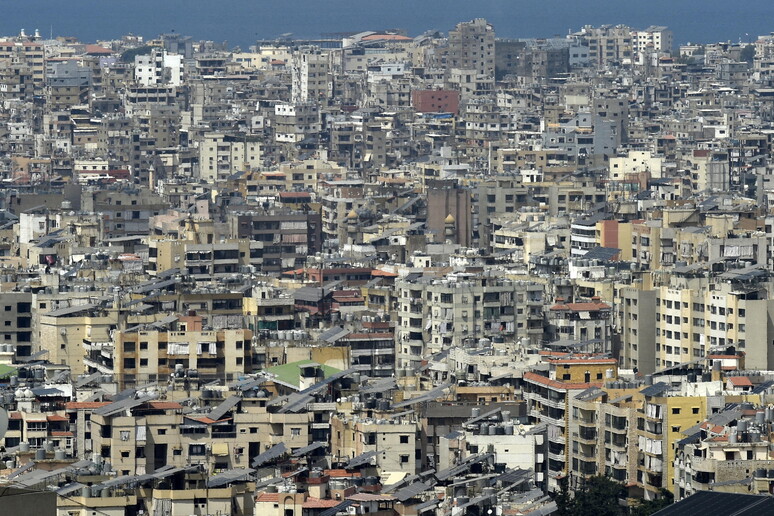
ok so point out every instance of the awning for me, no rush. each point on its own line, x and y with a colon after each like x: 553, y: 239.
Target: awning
x: 393, y: 477
x: 220, y: 449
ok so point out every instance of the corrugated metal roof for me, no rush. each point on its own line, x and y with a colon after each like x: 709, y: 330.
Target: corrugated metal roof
x: 270, y: 454
x: 226, y: 405
x: 232, y: 475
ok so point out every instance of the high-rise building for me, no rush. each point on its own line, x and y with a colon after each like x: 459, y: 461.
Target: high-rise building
x: 310, y: 69
x: 472, y: 47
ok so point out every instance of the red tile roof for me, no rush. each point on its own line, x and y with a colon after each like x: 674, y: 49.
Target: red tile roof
x: 740, y: 381
x: 61, y: 434
x: 268, y: 497
x: 368, y: 336
x: 165, y: 405
x: 56, y: 417
x: 557, y: 384
x: 320, y: 503
x: 85, y: 404
x: 97, y: 49
x: 340, y: 473
x: 380, y: 272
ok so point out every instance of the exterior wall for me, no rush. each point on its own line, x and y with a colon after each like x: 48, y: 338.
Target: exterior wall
x: 396, y: 442
x: 436, y: 101
x: 152, y: 355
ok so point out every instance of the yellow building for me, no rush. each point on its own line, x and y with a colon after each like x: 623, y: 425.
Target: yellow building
x: 146, y: 356
x: 662, y: 421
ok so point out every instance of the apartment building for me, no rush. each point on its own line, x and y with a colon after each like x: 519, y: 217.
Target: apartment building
x: 146, y: 356
x: 310, y: 69
x: 435, y: 314
x: 206, y: 261
x: 143, y: 435
x: 393, y: 443
x: 548, y: 401
x: 587, y: 324
x: 665, y: 417
x: 287, y: 236
x: 602, y: 430
x: 729, y: 453
x: 294, y: 123
x: 472, y: 47
x: 222, y: 155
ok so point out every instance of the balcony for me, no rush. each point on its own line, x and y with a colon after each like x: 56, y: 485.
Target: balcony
x: 588, y: 435
x: 557, y: 456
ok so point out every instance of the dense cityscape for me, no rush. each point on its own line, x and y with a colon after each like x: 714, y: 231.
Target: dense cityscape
x: 386, y: 274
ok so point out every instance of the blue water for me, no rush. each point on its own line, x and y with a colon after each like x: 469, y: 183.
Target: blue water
x: 241, y: 22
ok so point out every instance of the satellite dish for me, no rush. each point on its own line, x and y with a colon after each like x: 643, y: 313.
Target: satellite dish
x: 3, y: 422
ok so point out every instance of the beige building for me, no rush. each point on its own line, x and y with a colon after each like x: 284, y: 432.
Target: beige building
x: 147, y: 356
x: 222, y: 155
x: 393, y: 441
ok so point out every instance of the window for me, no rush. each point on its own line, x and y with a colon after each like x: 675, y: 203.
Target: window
x: 196, y: 449
x: 404, y: 439
x: 295, y: 432
x: 675, y: 410
x: 404, y: 459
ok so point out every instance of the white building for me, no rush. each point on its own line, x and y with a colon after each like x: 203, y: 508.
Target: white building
x: 653, y: 39
x: 158, y: 67
x: 310, y: 71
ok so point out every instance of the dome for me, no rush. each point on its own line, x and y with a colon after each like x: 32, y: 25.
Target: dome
x: 28, y: 393
x: 19, y: 393
x: 449, y: 219
x: 352, y: 214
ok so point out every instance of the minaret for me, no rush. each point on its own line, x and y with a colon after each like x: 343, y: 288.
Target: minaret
x: 450, y: 229
x: 352, y: 220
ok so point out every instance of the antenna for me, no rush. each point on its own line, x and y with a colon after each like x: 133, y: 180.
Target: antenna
x: 3, y: 422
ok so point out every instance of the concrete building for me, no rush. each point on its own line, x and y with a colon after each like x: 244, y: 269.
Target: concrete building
x: 310, y: 70
x: 222, y: 155
x: 472, y: 47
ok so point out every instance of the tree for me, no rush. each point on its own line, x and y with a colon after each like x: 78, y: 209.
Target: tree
x: 129, y: 55
x: 648, y: 507
x: 747, y: 54
x: 597, y: 496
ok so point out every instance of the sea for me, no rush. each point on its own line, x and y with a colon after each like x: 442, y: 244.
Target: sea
x: 242, y: 22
